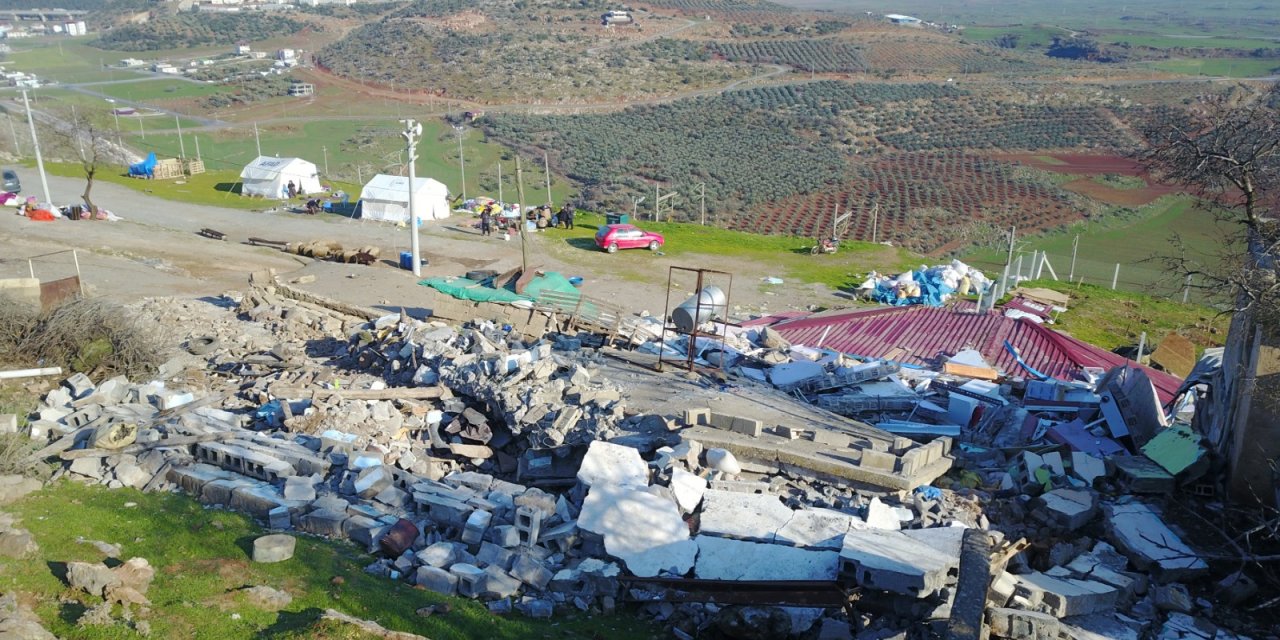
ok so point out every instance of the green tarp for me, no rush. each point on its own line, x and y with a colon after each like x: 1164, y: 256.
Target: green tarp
x: 465, y: 289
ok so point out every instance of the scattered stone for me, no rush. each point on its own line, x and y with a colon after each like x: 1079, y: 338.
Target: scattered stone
x: 754, y: 622
x: 613, y: 464
x: 1173, y: 597
x: 1139, y: 532
x: 368, y: 626
x: 1017, y: 624
x: 723, y: 461
x: 14, y: 488
x: 642, y: 529
x: 267, y: 598
x: 92, y: 578
x: 19, y: 622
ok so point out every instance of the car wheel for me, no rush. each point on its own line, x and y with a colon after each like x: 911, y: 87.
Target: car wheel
x: 612, y: 248
x: 653, y: 245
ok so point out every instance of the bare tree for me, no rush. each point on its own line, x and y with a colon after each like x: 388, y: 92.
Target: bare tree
x: 1227, y: 152
x: 82, y: 138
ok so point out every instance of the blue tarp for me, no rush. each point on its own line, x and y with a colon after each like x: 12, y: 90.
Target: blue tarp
x: 932, y: 291
x: 145, y: 168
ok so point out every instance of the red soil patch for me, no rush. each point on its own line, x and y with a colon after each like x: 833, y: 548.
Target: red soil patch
x: 1125, y: 197
x: 1079, y: 163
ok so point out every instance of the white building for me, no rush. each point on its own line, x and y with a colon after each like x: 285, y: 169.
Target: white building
x: 286, y: 54
x: 75, y: 28
x: 164, y: 67
x: 242, y: 49
x: 898, y: 18
x: 133, y: 62
x: 386, y: 197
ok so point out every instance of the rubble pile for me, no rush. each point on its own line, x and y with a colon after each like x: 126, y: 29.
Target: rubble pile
x: 480, y: 463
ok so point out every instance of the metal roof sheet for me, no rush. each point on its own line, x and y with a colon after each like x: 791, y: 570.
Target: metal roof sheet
x: 923, y: 335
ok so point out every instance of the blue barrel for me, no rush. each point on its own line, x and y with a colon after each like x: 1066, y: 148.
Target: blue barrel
x: 406, y: 260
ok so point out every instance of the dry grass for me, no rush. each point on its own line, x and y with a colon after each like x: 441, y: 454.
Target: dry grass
x: 91, y: 336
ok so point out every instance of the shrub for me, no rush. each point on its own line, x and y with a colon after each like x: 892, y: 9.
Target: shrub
x: 91, y: 336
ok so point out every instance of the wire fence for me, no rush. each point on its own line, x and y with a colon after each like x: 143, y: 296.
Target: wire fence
x: 1147, y: 277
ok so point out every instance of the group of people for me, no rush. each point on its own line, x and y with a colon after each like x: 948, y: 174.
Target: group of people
x: 491, y: 217
x: 313, y: 205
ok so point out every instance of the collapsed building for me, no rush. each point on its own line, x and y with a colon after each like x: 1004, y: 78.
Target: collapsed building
x: 832, y: 475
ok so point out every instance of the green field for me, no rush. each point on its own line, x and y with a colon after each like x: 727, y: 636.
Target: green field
x: 202, y: 558
x: 1028, y: 35
x: 158, y: 90
x: 1223, y: 67
x: 357, y: 149
x: 1138, y: 246
x: 1157, y: 41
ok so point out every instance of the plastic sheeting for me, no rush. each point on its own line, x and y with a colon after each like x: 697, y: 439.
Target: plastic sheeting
x: 145, y: 168
x: 931, y: 286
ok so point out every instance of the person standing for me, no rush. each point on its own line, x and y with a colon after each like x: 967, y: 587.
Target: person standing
x: 568, y: 216
x: 292, y: 190
x: 486, y: 223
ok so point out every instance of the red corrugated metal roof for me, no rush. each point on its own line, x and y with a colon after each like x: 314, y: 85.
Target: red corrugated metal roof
x: 924, y: 335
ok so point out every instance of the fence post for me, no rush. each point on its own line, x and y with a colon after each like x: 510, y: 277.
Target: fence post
x: 1017, y: 270
x: 1142, y: 345
x: 1186, y: 289
x: 1040, y: 258
x: 1075, y: 244
x: 1115, y: 277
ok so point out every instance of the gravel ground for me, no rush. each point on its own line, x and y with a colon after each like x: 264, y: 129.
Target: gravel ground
x: 156, y: 251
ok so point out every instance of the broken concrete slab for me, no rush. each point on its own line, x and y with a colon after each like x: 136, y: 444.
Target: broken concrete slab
x: 893, y: 561
x: 688, y: 489
x: 724, y: 559
x: 816, y: 529
x: 1138, y: 531
x: 745, y: 516
x: 640, y: 528
x: 1068, y: 508
x: 882, y: 516
x: 1016, y: 624
x: 613, y: 464
x: 436, y: 579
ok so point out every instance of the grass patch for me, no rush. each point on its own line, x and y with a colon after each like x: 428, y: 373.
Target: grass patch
x: 201, y: 557
x: 167, y: 89
x: 1222, y: 67
x: 1137, y: 240
x: 1029, y: 36
x: 1111, y: 319
x: 1116, y: 181
x: 789, y: 255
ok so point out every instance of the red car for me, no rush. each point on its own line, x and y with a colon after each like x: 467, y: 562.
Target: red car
x: 612, y: 237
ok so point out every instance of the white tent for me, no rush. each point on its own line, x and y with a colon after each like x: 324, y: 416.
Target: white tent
x: 269, y: 177
x: 387, y: 198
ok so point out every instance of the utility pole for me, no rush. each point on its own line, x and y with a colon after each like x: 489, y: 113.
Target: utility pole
x: 875, y: 222
x: 462, y: 164
x: 75, y: 122
x: 141, y: 127
x: 44, y: 181
x: 524, y: 227
x: 17, y: 149
x: 116, y: 114
x: 256, y: 139
x: 546, y: 168
x: 182, y: 148
x: 1012, y: 233
x: 500, y: 200
x: 325, y: 151
x: 702, y: 194
x: 197, y: 139
x: 412, y: 130
x: 1075, y: 244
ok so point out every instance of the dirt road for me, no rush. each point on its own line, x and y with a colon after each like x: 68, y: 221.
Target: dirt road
x: 156, y: 251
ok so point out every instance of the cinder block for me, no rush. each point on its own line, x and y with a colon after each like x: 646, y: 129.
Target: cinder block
x: 878, y: 460
x: 694, y: 417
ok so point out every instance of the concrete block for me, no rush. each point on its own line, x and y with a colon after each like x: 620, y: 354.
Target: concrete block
x: 505, y: 536
x: 878, y: 460
x: 372, y: 480
x: 882, y: 516
x: 439, y: 555
x: 531, y: 572
x: 701, y: 415
x: 613, y: 464
x: 492, y: 555
x: 529, y: 524
x: 323, y: 522
x: 892, y: 561
x: 299, y: 488
x: 79, y: 385
x: 499, y: 583
x: 437, y: 580
x: 471, y: 579
x: 8, y: 423
x: 1016, y: 624
x: 477, y: 524
x: 1067, y: 596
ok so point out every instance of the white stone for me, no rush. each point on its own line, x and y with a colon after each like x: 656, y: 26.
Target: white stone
x: 882, y: 516
x: 642, y: 529
x: 816, y: 529
x: 723, y: 461
x: 614, y: 465
x: 276, y: 547
x: 893, y: 561
x: 299, y: 488
x: 1087, y: 467
x: 746, y: 516
x: 688, y: 489
x: 789, y: 373
x: 131, y: 475
x: 371, y: 481
x: 722, y: 559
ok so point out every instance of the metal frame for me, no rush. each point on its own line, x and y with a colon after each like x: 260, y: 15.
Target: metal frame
x: 75, y: 259
x: 697, y: 311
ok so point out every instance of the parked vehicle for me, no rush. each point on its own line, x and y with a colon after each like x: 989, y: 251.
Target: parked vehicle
x: 11, y: 182
x: 612, y: 237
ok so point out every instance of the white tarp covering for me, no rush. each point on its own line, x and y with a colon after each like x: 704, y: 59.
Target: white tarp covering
x: 387, y: 198
x: 269, y: 176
